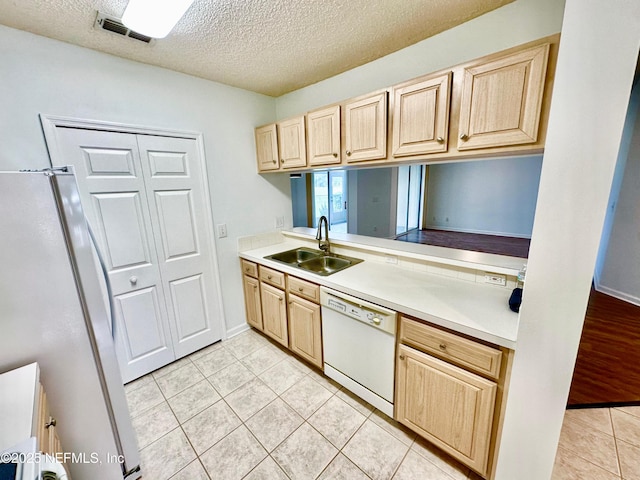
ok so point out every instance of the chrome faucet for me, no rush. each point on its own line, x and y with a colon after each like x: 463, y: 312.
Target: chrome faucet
x: 324, y: 246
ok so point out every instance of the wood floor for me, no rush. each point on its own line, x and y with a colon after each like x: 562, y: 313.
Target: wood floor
x: 515, y: 247
x: 608, y: 366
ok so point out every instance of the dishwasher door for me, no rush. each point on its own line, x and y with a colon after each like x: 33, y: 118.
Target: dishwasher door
x: 359, y: 347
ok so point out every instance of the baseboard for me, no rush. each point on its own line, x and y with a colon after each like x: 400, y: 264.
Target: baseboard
x: 237, y: 330
x: 481, y: 232
x: 625, y: 297
x: 603, y: 405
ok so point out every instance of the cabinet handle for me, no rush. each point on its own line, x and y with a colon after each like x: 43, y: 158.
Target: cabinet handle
x: 440, y: 140
x: 335, y: 155
x: 402, y: 357
x: 464, y: 137
x: 442, y: 346
x: 348, y: 153
x: 52, y: 423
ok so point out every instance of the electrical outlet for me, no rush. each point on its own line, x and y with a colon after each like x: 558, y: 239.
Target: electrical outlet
x: 280, y: 222
x: 222, y: 230
x: 391, y: 259
x: 495, y: 279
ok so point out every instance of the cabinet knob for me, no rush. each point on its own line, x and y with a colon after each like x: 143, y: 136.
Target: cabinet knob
x: 348, y: 153
x: 464, y: 137
x: 300, y: 289
x: 282, y: 160
x: 133, y: 280
x: 268, y: 277
x: 51, y: 423
x: 335, y: 155
x: 440, y: 140
x: 442, y: 346
x: 402, y: 357
x: 281, y: 299
x: 275, y: 161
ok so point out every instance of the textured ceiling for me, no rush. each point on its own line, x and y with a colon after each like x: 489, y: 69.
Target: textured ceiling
x: 267, y: 46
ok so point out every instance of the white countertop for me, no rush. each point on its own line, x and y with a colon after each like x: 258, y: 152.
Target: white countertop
x: 478, y: 310
x: 18, y: 390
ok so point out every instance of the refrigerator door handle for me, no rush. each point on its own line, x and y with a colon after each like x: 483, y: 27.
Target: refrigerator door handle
x: 105, y: 273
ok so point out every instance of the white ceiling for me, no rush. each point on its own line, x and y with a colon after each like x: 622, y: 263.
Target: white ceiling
x: 267, y: 46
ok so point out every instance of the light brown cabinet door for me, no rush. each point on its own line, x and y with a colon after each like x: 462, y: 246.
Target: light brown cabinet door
x: 323, y: 136
x: 292, y: 143
x: 447, y: 405
x: 252, y: 301
x: 365, y: 124
x: 267, y: 148
x: 421, y: 116
x: 305, y: 330
x: 502, y: 100
x: 274, y: 313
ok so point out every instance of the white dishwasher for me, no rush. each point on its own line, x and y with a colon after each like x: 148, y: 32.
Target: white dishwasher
x: 359, y: 340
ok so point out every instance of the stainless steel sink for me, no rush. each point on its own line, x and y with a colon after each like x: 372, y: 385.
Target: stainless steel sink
x: 295, y: 256
x: 315, y: 261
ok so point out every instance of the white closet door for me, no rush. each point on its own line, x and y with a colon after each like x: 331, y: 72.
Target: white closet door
x: 175, y: 188
x: 114, y: 198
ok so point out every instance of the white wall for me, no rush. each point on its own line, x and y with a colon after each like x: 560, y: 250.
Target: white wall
x: 617, y: 271
x: 493, y: 196
x: 371, y: 195
x: 39, y: 75
x: 516, y: 23
x: 595, y: 70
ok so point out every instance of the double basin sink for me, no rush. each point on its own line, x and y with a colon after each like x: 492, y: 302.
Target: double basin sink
x: 314, y: 261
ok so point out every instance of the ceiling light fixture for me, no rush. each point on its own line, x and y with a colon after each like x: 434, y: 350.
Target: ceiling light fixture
x: 154, y: 18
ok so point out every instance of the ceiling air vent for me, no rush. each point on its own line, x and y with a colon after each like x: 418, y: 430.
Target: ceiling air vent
x: 112, y: 24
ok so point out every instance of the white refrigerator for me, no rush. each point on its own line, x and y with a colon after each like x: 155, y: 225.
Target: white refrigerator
x: 52, y: 311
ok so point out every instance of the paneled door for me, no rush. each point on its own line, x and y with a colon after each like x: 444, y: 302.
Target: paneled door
x: 175, y: 191
x: 143, y: 196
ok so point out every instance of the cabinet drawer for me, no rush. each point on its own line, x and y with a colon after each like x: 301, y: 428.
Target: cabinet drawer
x: 272, y: 277
x: 304, y: 289
x: 461, y: 351
x: 249, y: 268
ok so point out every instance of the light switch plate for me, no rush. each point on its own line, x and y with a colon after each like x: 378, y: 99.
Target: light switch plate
x: 280, y: 222
x: 222, y: 230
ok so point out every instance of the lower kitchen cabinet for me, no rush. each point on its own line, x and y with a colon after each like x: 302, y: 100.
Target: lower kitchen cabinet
x: 285, y: 308
x: 450, y: 389
x: 305, y: 329
x: 274, y: 313
x: 447, y: 405
x: 252, y: 302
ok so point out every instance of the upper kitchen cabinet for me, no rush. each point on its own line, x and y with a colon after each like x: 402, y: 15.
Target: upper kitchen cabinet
x: 323, y: 136
x: 267, y: 148
x: 421, y: 116
x: 292, y: 143
x: 497, y: 105
x: 365, y: 128
x: 502, y: 100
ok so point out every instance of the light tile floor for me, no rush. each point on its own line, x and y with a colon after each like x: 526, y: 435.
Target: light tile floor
x: 246, y: 408
x: 599, y: 444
